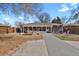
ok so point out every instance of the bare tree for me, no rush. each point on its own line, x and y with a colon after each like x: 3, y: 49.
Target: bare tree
x: 25, y: 8
x: 54, y: 20
x: 20, y: 25
x: 64, y: 19
x: 57, y: 20
x: 4, y: 7
x: 74, y: 14
x: 6, y: 23
x: 21, y: 8
x: 44, y: 17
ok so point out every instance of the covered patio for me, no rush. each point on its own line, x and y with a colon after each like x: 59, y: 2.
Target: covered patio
x: 43, y: 27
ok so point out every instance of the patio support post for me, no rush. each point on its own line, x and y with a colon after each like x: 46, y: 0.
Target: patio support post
x: 32, y: 28
x: 51, y: 28
x: 23, y: 29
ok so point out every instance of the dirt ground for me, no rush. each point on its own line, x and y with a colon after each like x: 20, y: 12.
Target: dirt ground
x: 69, y: 37
x: 9, y: 42
x: 75, y: 37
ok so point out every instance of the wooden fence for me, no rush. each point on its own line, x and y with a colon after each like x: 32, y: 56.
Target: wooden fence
x: 6, y: 29
x: 74, y: 29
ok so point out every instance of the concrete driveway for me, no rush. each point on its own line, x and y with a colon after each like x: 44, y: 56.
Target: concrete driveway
x: 49, y: 45
x: 57, y: 47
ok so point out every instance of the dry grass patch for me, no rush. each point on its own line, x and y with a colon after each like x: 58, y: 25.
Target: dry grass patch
x: 9, y: 42
x: 70, y: 37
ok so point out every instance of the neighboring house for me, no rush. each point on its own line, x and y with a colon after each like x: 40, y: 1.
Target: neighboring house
x: 6, y: 29
x: 53, y: 27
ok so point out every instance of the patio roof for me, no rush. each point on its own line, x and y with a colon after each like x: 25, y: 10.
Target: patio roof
x: 72, y: 25
x: 41, y: 24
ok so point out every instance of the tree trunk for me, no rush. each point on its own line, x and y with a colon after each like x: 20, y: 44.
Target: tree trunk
x: 23, y: 23
x: 68, y: 20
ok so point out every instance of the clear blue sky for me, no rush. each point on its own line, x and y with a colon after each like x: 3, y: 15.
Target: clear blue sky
x: 54, y: 9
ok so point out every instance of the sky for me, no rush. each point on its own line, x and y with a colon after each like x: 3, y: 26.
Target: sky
x: 59, y: 9
x: 53, y: 9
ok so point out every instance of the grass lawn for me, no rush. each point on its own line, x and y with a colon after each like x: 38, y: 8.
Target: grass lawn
x: 8, y: 42
x: 70, y: 37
